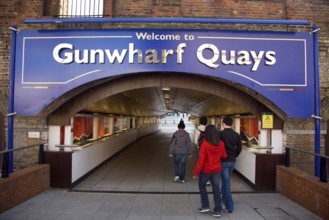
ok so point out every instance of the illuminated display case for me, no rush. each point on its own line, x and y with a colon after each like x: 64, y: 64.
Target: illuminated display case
x: 82, y: 129
x: 249, y: 132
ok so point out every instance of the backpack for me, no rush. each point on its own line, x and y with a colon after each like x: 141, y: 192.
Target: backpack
x: 201, y: 137
x: 173, y: 137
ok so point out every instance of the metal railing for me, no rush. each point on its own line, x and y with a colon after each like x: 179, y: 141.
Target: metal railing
x: 323, y: 158
x: 81, y: 8
x: 5, y: 168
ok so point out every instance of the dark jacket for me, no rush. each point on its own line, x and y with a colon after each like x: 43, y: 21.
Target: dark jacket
x: 180, y: 143
x: 209, y: 158
x: 232, y: 142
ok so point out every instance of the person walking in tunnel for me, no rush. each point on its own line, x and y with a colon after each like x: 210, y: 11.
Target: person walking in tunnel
x: 200, y: 131
x: 199, y: 136
x: 180, y: 149
x: 233, y: 146
x: 209, y: 167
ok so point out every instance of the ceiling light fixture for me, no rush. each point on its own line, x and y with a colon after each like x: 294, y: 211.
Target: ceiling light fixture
x: 166, y: 97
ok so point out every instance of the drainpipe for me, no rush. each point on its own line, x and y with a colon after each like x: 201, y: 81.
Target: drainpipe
x: 11, y: 112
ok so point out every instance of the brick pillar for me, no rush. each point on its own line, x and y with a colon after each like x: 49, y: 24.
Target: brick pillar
x: 108, y: 8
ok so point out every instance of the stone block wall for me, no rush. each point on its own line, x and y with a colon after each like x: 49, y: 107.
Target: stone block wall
x: 300, y: 134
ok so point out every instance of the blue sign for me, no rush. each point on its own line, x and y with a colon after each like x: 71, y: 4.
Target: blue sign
x: 278, y: 65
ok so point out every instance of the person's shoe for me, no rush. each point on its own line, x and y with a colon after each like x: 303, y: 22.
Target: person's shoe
x: 204, y: 210
x: 176, y: 179
x: 226, y: 210
x: 216, y: 214
x: 182, y: 181
x: 208, y: 183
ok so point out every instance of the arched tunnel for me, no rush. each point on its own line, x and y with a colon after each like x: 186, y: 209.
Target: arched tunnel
x: 145, y: 94
x: 142, y: 95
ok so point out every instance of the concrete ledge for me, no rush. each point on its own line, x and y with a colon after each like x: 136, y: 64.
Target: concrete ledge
x: 22, y: 185
x: 304, y: 189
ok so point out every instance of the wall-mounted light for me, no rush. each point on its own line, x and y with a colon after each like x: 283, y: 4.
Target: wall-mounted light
x: 166, y: 96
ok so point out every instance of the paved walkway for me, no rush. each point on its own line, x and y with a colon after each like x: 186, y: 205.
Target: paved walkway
x: 137, y: 184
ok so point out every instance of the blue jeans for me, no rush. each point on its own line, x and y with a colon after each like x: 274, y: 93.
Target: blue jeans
x: 180, y: 165
x: 227, y: 169
x: 214, y: 178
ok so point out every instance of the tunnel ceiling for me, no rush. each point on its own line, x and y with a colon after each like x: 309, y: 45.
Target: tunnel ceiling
x: 152, y: 101
x: 144, y: 95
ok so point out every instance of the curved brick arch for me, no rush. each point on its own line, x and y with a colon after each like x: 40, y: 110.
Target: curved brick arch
x: 253, y: 103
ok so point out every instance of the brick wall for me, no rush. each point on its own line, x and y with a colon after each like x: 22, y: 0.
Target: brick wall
x: 316, y: 11
x: 22, y: 185
x: 304, y: 189
x: 298, y: 133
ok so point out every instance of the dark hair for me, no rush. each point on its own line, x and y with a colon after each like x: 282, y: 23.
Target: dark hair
x: 181, y: 125
x: 203, y: 120
x: 211, y: 135
x: 228, y: 121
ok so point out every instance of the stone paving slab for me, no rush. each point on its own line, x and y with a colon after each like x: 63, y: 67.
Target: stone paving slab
x: 63, y: 205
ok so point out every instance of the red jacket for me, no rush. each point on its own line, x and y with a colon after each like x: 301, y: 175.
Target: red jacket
x: 209, y: 158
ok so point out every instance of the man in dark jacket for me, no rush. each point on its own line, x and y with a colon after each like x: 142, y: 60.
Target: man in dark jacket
x: 233, y: 147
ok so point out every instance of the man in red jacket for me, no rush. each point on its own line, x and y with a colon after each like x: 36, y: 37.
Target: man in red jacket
x: 209, y: 168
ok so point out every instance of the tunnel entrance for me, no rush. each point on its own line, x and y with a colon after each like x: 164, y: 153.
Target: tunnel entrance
x: 123, y: 107
x: 116, y: 75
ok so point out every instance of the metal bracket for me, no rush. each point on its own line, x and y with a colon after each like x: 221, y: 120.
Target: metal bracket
x: 11, y: 114
x: 14, y: 29
x: 314, y: 31
x: 316, y: 117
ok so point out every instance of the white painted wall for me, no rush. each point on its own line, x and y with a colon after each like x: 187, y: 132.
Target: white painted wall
x: 91, y: 156
x: 68, y: 138
x: 146, y: 130
x: 246, y: 165
x: 54, y: 137
x: 263, y: 138
x: 277, y: 141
